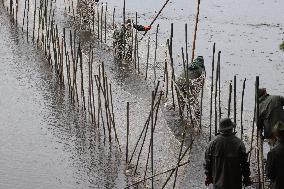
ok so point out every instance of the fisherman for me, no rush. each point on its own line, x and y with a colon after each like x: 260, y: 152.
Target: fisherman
x: 196, y: 73
x: 125, y: 32
x: 275, y: 163
x: 226, y: 160
x: 270, y: 112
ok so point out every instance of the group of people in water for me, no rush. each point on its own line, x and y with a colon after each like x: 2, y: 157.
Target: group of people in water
x: 226, y: 160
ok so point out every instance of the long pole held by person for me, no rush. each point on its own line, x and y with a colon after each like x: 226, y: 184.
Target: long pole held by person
x: 156, y: 17
x: 195, y: 31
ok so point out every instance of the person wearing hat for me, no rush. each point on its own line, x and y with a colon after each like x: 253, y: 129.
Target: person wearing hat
x: 270, y: 112
x: 275, y: 157
x: 226, y: 161
x: 125, y: 32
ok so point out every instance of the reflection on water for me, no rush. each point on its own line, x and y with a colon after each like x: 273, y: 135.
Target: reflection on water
x: 45, y: 141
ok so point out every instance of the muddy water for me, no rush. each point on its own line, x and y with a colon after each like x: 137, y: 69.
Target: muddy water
x: 70, y: 143
x: 45, y: 142
x: 247, y: 33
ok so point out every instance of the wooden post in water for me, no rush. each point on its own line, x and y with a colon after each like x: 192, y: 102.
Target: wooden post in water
x: 186, y: 46
x: 113, y: 118
x: 124, y: 22
x: 229, y: 99
x: 219, y: 83
x: 102, y: 23
x: 258, y: 133
x: 127, y: 131
x: 195, y: 30
x: 216, y: 95
x: 34, y: 22
x: 179, y: 158
x: 135, y: 42
x: 211, y: 92
x: 106, y: 24
x: 98, y: 23
x: 201, y: 104
x: 173, y: 170
x: 148, y: 55
x: 259, y: 139
x: 17, y: 11
x: 155, y: 55
x: 28, y: 11
x: 160, y: 11
x: 152, y: 138
x: 113, y: 19
x: 11, y: 6
x: 24, y: 15
x: 170, y: 43
x: 242, y: 108
x: 235, y: 99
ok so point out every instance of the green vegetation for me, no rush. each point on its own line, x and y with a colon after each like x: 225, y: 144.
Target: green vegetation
x: 282, y: 46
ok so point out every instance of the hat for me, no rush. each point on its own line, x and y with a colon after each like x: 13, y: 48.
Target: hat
x: 278, y: 127
x: 261, y: 92
x: 199, y: 61
x: 226, y: 124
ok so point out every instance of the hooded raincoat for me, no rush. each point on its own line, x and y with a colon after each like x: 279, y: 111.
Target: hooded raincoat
x: 270, y: 112
x: 226, y: 162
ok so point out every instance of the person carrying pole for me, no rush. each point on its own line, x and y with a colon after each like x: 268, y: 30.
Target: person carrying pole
x: 275, y: 163
x: 125, y: 32
x: 226, y: 160
x: 270, y: 112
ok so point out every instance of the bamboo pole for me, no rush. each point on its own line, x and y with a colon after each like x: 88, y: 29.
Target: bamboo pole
x: 155, y: 54
x: 127, y: 131
x: 211, y: 92
x: 158, y: 14
x: 148, y: 55
x: 235, y: 99
x: 229, y: 99
x: 189, y: 148
x: 242, y: 107
x: 201, y: 104
x: 179, y: 158
x: 152, y: 138
x: 195, y: 30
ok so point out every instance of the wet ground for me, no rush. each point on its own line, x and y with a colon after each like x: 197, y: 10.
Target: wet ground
x: 247, y: 33
x: 66, y: 151
x: 49, y: 141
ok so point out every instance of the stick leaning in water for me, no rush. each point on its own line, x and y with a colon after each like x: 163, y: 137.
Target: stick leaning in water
x: 180, y: 165
x: 156, y: 16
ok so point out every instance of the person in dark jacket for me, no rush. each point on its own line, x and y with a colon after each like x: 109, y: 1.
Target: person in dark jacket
x: 275, y: 163
x: 270, y: 112
x: 196, y: 74
x: 226, y: 160
x: 125, y: 32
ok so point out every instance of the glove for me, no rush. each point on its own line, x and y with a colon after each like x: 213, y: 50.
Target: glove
x: 247, y: 181
x: 208, y: 181
x: 146, y: 28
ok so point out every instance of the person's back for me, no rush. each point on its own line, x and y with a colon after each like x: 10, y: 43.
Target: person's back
x: 270, y: 111
x: 225, y: 153
x: 275, y: 163
x: 226, y: 160
x: 196, y: 74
